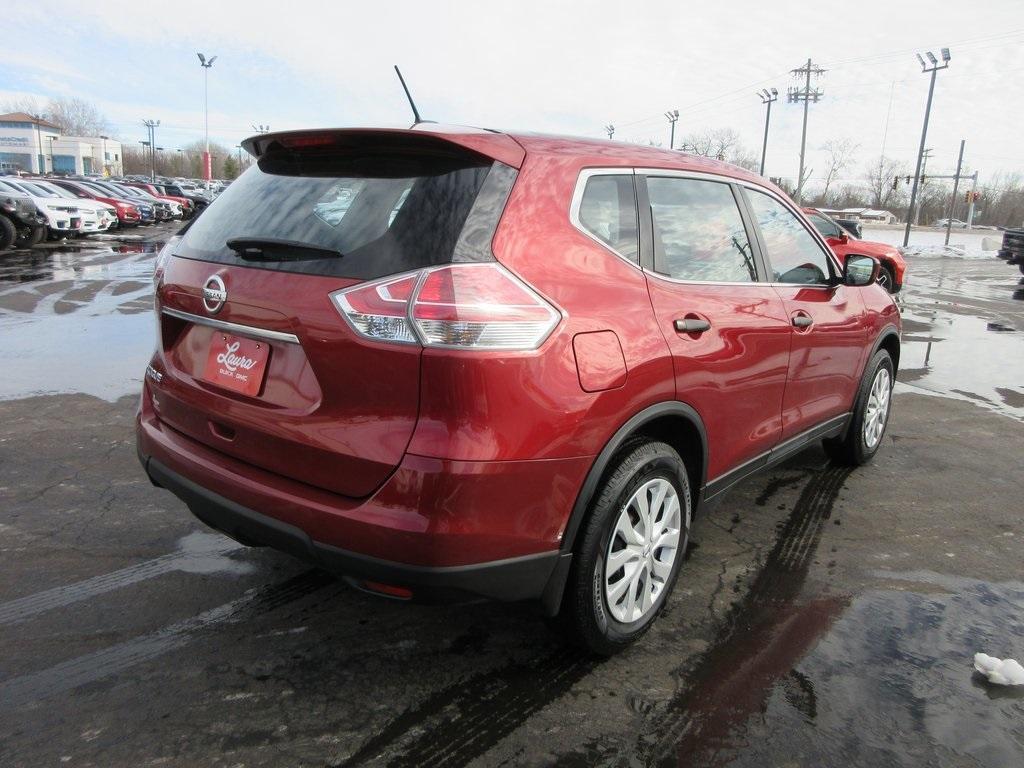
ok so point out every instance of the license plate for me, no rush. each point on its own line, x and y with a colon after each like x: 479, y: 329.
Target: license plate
x: 235, y: 363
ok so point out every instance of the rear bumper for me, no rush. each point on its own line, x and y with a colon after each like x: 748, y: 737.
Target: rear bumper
x: 513, y: 579
x: 442, y: 529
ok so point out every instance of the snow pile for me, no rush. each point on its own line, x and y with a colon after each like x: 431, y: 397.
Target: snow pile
x: 999, y: 671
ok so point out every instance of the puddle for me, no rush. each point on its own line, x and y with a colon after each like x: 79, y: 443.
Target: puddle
x: 77, y: 319
x: 964, y: 334
x: 889, y: 682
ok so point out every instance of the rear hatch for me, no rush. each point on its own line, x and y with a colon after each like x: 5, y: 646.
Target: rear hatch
x: 260, y: 364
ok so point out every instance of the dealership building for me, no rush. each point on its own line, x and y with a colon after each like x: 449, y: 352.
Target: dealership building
x: 34, y: 145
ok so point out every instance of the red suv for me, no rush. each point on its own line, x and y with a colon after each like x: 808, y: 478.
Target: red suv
x: 448, y: 362
x: 893, y: 267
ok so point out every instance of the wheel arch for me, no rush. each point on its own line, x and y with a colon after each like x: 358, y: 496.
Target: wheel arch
x: 889, y: 340
x: 672, y: 422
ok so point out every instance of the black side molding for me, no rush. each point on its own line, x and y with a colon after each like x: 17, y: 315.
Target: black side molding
x: 834, y: 427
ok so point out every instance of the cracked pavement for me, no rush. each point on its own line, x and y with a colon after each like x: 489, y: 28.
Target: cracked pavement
x: 822, y: 617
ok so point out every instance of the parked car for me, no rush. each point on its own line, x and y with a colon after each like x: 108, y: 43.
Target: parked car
x: 199, y: 201
x: 63, y: 218
x: 188, y: 208
x: 128, y: 215
x: 21, y: 224
x: 957, y: 224
x: 893, y: 265
x: 490, y: 376
x: 152, y: 211
x: 96, y: 216
x: 165, y: 209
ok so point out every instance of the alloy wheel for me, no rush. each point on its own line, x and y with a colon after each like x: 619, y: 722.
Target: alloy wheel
x: 643, y: 549
x: 877, y: 411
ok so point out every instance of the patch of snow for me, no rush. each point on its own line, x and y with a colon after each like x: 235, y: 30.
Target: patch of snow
x: 999, y: 671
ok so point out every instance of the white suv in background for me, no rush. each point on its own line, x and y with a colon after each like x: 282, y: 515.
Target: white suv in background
x: 63, y: 217
x: 52, y: 201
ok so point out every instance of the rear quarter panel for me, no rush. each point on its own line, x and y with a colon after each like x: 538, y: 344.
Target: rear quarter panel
x: 531, y: 405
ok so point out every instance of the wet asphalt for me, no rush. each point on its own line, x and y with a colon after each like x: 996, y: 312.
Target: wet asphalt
x: 824, y: 616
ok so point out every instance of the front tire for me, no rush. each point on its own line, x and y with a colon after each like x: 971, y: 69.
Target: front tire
x: 870, y: 415
x: 630, y: 549
x: 7, y: 233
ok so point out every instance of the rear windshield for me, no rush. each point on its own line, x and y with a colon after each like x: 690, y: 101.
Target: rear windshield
x: 363, y: 215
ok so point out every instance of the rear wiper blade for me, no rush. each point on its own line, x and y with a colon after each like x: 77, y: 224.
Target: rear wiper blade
x: 275, y: 249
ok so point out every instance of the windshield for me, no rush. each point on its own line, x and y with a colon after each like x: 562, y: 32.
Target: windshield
x: 53, y: 190
x: 383, y: 214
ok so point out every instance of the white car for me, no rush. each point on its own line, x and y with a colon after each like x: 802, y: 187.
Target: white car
x: 63, y: 217
x: 105, y: 215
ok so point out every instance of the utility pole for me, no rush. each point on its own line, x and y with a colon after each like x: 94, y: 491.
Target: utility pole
x: 151, y: 126
x: 610, y: 129
x: 806, y: 95
x: 934, y: 67
x: 956, y: 188
x: 207, y: 165
x: 672, y: 115
x: 767, y: 98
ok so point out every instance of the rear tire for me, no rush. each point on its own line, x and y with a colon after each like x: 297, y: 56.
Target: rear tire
x: 617, y: 588
x: 871, y: 411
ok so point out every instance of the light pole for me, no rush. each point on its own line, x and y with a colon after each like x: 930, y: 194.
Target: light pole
x: 672, y: 115
x: 610, y: 129
x: 206, y: 110
x: 260, y: 128
x: 151, y: 126
x: 767, y: 98
x: 932, y: 67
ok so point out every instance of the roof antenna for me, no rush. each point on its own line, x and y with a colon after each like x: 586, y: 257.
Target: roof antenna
x: 415, y: 112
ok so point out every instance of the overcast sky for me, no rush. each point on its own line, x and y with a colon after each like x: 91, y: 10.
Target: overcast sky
x: 542, y: 66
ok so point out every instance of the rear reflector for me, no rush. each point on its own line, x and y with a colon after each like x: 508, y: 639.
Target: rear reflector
x: 460, y: 306
x: 388, y: 589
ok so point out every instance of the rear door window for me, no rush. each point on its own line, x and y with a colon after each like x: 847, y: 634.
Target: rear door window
x: 607, y: 210
x: 698, y: 231
x: 359, y: 216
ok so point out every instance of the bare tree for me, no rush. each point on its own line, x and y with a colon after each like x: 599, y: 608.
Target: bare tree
x: 840, y: 155
x: 880, y: 176
x: 26, y: 104
x: 721, y: 144
x: 76, y: 117
x: 73, y: 116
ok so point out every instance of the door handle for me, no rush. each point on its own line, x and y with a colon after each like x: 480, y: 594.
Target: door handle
x: 692, y: 325
x: 802, y: 321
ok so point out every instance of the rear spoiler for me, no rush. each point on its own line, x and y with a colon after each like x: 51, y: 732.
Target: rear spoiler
x: 489, y: 144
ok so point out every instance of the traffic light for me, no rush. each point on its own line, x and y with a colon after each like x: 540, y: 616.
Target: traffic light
x: 967, y: 197
x: 896, y: 183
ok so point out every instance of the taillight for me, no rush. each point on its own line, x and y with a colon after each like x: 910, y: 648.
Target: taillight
x: 380, y: 310
x: 461, y: 306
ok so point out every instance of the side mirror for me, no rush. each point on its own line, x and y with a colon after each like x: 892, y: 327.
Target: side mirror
x: 843, y: 238
x: 860, y: 270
